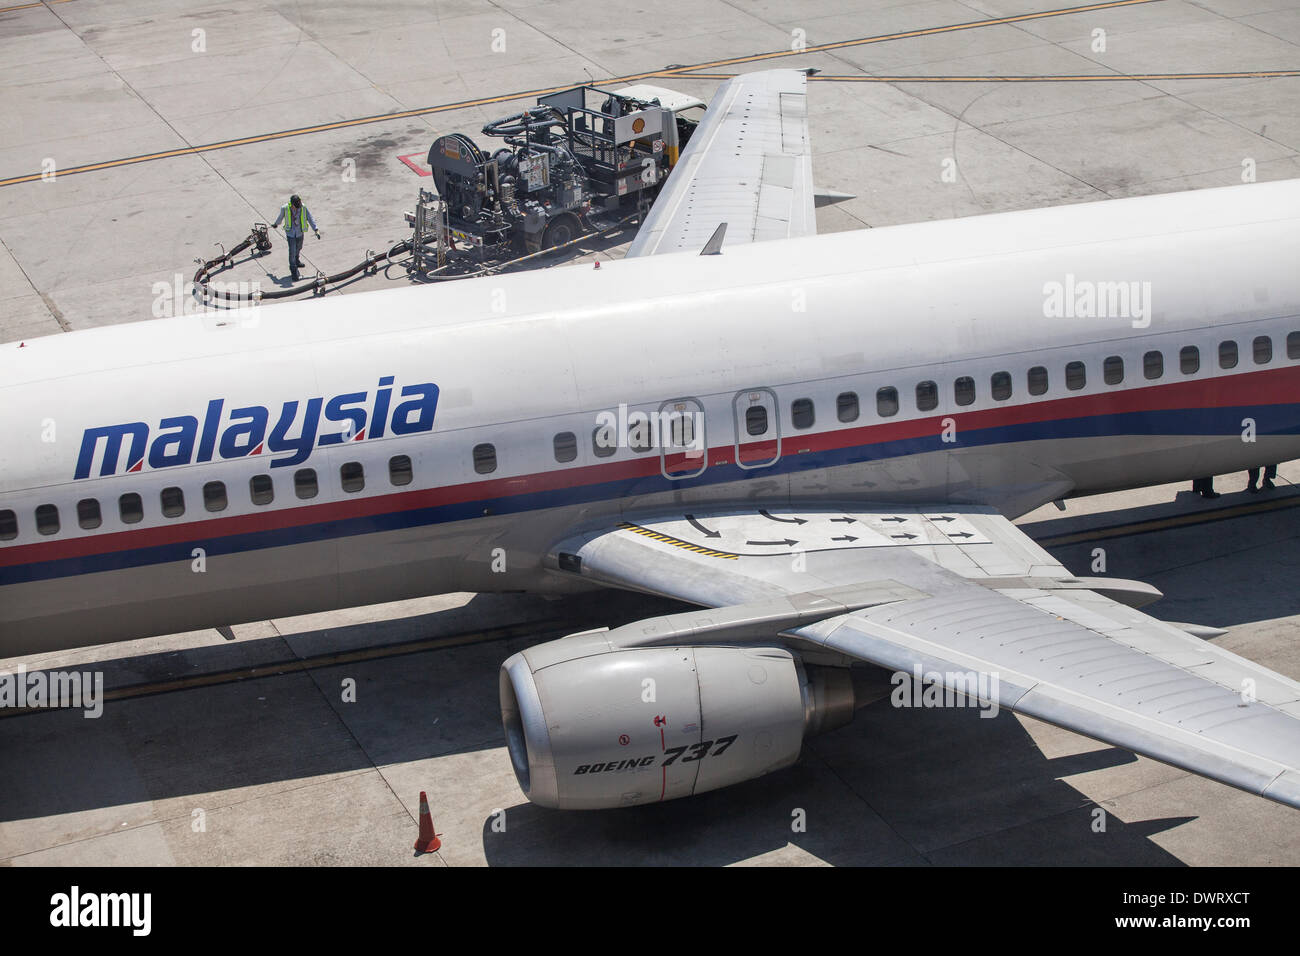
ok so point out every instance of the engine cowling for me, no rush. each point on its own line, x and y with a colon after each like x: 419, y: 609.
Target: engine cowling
x: 589, y: 726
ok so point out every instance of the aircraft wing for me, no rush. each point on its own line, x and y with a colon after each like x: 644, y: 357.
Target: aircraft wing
x: 958, y: 592
x: 747, y: 164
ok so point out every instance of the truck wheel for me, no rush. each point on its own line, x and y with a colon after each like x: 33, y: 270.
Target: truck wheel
x: 563, y: 228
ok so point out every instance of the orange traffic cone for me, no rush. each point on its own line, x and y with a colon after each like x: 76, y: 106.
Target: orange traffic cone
x: 428, y: 841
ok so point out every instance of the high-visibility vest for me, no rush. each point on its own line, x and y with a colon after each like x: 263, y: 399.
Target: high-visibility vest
x: 302, y: 217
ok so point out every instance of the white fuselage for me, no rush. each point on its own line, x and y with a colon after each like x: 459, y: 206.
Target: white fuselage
x: 196, y: 415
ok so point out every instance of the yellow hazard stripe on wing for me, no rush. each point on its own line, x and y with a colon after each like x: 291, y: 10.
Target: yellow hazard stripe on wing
x: 677, y: 542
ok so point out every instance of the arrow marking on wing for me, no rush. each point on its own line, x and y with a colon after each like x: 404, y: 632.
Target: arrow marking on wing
x: 782, y: 520
x: 701, y: 529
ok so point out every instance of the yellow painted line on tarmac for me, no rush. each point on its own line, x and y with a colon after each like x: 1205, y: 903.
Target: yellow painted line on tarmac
x: 297, y: 665
x: 1174, y: 521
x: 1044, y: 78
x: 28, y: 6
x: 675, y: 70
x: 924, y: 32
x: 279, y: 134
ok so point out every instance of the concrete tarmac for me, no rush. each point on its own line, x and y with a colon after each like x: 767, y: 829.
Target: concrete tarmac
x: 199, y: 760
x: 137, y: 135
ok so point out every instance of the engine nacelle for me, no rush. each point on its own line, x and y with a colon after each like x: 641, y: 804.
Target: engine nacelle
x: 590, y: 726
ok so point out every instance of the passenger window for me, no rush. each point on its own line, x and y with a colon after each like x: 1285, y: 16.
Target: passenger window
x: 261, y: 490
x: 304, y: 483
x: 801, y: 413
x: 399, y: 470
x: 1076, y: 376
x: 846, y: 406
x: 565, y: 446
x: 756, y: 420
x: 927, y: 396
x: 485, y: 459
x: 1112, y: 370
x: 1293, y: 345
x: 1227, y: 354
x: 603, y: 441
x: 88, y: 515
x: 886, y: 401
x: 963, y: 390
x: 352, y: 476
x: 1189, y: 359
x: 214, y: 496
x: 1263, y: 348
x: 8, y: 525
x: 1153, y: 364
x: 1001, y: 386
x: 47, y: 519
x: 130, y: 507
x: 173, y: 502
x: 1037, y: 380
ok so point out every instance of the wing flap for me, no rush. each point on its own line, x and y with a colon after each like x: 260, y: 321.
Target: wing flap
x: 1053, y: 669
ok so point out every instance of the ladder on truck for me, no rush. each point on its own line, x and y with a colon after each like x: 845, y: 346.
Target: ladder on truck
x: 431, y: 238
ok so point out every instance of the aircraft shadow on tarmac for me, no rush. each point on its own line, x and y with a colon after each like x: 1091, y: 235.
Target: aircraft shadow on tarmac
x: 1224, y: 572
x: 897, y: 786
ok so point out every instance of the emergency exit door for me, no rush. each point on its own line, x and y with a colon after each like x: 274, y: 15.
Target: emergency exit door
x: 758, y: 428
x: 683, y: 448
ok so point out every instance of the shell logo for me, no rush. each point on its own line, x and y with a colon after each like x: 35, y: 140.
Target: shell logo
x: 638, y: 124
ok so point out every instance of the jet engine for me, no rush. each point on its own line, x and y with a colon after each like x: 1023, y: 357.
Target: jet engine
x: 590, y: 725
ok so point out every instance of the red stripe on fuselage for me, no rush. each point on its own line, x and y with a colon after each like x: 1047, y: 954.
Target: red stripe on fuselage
x: 273, y: 520
x: 1274, y: 386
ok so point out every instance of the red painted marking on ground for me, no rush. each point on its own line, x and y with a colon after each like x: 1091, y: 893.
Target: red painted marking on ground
x: 416, y: 167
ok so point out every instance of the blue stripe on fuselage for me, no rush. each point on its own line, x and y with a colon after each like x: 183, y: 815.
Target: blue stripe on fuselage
x: 1220, y: 422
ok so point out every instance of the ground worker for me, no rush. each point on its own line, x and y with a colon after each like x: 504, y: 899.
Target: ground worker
x: 1205, y: 487
x: 1252, y: 476
x: 296, y: 217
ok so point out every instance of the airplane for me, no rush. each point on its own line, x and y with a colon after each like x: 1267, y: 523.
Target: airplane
x: 819, y: 441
